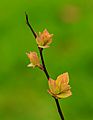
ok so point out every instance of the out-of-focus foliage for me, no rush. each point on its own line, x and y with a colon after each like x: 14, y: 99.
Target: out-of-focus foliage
x: 23, y: 91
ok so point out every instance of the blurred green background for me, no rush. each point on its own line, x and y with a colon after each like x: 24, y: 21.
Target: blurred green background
x: 23, y: 91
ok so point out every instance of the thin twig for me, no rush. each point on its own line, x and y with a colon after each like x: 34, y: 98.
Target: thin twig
x: 44, y: 68
x: 32, y: 30
x: 47, y: 75
x: 59, y: 109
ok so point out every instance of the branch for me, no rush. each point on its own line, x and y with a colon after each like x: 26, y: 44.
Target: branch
x: 45, y: 70
x: 47, y: 75
x: 59, y: 109
x: 44, y: 67
x: 27, y: 22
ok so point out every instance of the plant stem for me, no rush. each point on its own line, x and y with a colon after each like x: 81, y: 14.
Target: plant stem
x: 59, y: 109
x: 30, y: 26
x: 44, y: 68
x: 47, y: 75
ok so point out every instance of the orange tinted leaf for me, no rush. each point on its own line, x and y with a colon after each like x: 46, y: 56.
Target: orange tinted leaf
x: 59, y: 88
x: 44, y: 39
x: 33, y: 59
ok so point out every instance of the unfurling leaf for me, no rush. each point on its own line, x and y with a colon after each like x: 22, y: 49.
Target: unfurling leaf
x: 34, y: 60
x: 59, y: 88
x: 44, y: 39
